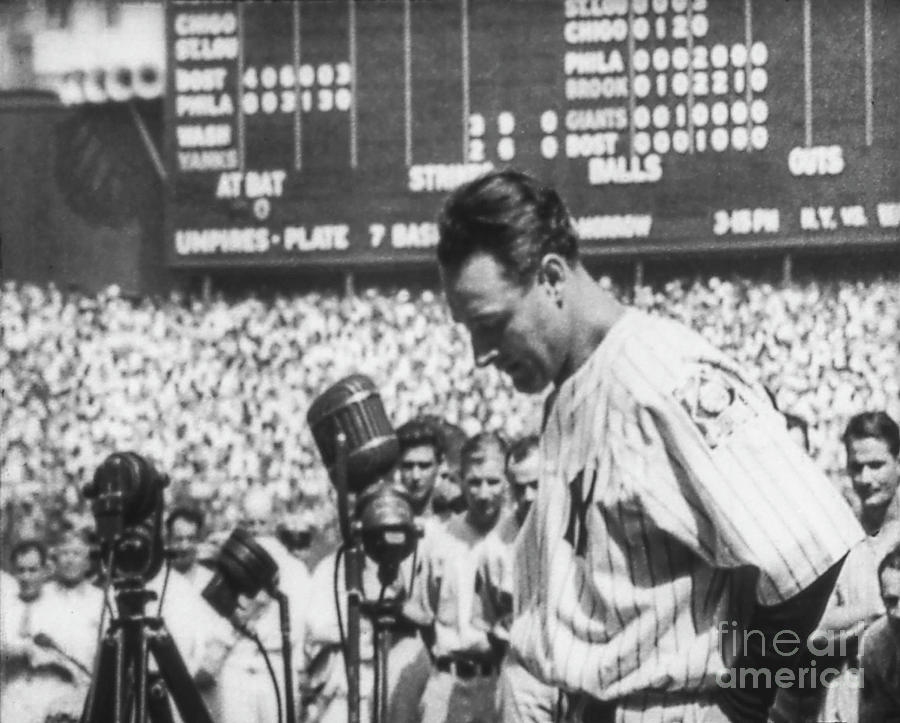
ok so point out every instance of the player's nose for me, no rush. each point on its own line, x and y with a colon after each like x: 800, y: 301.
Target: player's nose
x: 867, y: 479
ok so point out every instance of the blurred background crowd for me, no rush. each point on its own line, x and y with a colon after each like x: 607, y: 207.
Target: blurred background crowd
x: 215, y: 390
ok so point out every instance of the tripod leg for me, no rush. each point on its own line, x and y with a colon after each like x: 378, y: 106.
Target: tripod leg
x: 175, y: 673
x: 134, y: 670
x: 102, y: 703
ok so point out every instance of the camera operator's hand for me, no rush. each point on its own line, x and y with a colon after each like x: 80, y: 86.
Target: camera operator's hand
x: 250, y: 609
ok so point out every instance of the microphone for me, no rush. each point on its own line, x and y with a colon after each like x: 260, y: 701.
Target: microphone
x: 242, y: 567
x: 353, y: 407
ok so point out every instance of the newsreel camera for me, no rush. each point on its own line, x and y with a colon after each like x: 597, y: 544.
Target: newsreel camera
x: 127, y: 503
x: 360, y: 448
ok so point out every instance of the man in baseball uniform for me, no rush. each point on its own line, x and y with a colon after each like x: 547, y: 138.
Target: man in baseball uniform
x: 521, y: 698
x: 872, y: 443
x: 879, y: 698
x: 418, y: 471
x: 463, y: 671
x: 674, y: 513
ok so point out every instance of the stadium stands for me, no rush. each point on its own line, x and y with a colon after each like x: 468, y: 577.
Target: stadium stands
x: 215, y: 391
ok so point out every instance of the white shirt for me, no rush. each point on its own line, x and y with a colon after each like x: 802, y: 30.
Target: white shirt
x: 443, y: 592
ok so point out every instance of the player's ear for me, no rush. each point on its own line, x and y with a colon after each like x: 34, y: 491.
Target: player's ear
x: 552, y: 275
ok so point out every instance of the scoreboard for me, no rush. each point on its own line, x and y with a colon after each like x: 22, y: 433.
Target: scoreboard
x: 328, y: 132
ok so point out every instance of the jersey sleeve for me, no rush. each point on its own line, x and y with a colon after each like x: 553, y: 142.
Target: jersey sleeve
x: 722, y: 474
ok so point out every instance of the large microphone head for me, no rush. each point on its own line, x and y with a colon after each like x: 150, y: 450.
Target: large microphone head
x: 353, y: 406
x: 242, y: 567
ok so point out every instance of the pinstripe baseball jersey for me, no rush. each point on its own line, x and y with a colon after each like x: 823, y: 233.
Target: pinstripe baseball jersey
x: 443, y: 591
x: 494, y: 578
x: 671, y: 499
x: 521, y: 697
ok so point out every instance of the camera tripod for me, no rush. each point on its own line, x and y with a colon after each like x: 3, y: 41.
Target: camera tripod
x: 122, y: 690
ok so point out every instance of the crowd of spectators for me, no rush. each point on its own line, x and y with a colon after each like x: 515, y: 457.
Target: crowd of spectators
x: 215, y: 390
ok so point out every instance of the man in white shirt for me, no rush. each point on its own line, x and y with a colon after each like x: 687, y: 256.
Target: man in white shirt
x: 38, y: 679
x: 521, y: 698
x: 73, y: 630
x: 462, y: 683
x: 244, y: 687
x: 184, y: 533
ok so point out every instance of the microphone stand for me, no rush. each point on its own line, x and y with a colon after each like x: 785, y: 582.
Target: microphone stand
x: 353, y: 566
x: 384, y: 615
x: 287, y: 653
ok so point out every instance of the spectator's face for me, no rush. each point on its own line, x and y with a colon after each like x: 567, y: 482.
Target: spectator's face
x: 73, y: 561
x: 874, y: 471
x: 184, y: 537
x: 418, y: 473
x: 523, y: 476
x: 516, y: 328
x: 447, y: 488
x: 890, y: 595
x: 258, y: 515
x: 483, y: 487
x: 30, y: 573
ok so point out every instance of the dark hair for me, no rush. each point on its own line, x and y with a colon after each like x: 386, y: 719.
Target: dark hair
x: 475, y: 447
x: 795, y: 422
x: 190, y: 514
x: 521, y: 448
x: 874, y: 424
x: 451, y: 437
x: 24, y: 546
x: 419, y: 432
x: 890, y: 561
x: 512, y: 217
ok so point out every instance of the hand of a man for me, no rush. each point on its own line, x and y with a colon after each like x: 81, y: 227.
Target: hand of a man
x: 250, y: 609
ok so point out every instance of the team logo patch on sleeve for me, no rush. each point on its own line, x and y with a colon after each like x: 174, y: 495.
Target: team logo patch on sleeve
x: 714, y: 403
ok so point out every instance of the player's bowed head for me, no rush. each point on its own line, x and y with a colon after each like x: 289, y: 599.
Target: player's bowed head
x: 511, y: 269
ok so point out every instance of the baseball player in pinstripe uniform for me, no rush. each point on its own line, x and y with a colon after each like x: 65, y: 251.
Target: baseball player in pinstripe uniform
x: 521, y: 698
x: 463, y: 672
x: 674, y: 514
